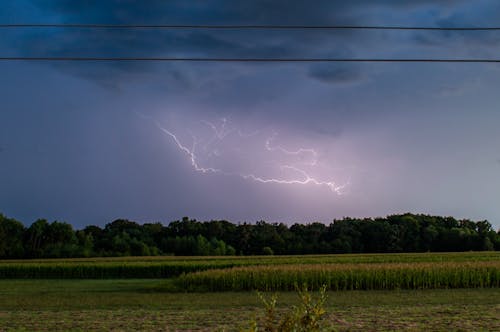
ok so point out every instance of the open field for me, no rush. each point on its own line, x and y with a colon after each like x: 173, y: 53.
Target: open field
x: 128, y: 305
x: 171, y: 266
x: 278, y: 273
x: 428, y: 291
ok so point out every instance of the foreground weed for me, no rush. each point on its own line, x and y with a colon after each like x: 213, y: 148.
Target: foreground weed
x: 303, y: 318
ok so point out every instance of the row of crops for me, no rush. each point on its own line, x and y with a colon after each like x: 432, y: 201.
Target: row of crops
x: 285, y: 259
x: 338, y: 272
x: 104, y: 270
x: 345, y: 277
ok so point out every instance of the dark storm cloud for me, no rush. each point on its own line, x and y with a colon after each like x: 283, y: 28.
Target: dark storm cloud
x: 115, y: 11
x: 75, y: 151
x: 239, y: 43
x: 464, y: 40
x: 470, y: 15
x: 175, y: 12
x: 342, y: 74
x: 202, y: 43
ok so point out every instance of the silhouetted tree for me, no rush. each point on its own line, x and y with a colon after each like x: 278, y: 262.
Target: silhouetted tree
x: 395, y: 233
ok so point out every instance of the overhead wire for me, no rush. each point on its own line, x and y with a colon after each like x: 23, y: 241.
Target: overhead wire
x: 190, y: 59
x: 242, y: 27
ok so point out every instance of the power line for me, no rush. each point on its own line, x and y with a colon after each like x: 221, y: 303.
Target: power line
x: 243, y: 27
x: 169, y: 59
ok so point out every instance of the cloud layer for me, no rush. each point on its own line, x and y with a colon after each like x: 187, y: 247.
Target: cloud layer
x: 404, y: 137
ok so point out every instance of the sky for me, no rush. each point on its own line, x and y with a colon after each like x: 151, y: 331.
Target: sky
x: 90, y: 142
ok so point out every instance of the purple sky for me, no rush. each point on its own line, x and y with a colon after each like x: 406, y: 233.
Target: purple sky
x: 88, y: 143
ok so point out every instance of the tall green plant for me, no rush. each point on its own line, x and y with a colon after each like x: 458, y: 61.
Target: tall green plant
x: 306, y: 317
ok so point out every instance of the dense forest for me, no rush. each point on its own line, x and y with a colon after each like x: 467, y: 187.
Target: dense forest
x: 395, y: 233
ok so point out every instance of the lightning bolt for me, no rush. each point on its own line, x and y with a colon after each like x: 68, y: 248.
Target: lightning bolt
x: 298, y: 152
x: 223, y: 132
x: 189, y: 152
x: 219, y: 133
x: 307, y: 180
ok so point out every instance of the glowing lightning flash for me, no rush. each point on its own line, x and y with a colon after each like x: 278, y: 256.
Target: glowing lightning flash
x: 190, y: 153
x: 308, y: 180
x: 298, y: 152
x: 222, y: 132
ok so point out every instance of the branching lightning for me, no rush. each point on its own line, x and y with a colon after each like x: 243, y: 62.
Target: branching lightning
x: 307, y: 180
x: 220, y: 133
x: 189, y: 152
x: 300, y: 152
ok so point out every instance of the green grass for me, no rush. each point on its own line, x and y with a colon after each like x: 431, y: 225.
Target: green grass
x: 133, y: 304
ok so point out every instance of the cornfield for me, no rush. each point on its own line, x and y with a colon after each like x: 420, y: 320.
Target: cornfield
x: 346, y: 277
x: 353, y: 271
x: 101, y: 270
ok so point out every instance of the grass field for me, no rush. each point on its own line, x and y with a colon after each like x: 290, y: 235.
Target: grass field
x: 431, y: 292
x: 131, y: 305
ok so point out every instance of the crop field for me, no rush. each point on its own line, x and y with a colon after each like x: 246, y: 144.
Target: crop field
x: 346, y: 277
x: 135, y: 305
x: 280, y: 273
x: 171, y: 266
x: 427, y: 291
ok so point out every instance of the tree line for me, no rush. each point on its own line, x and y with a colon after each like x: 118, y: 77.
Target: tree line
x: 395, y: 233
